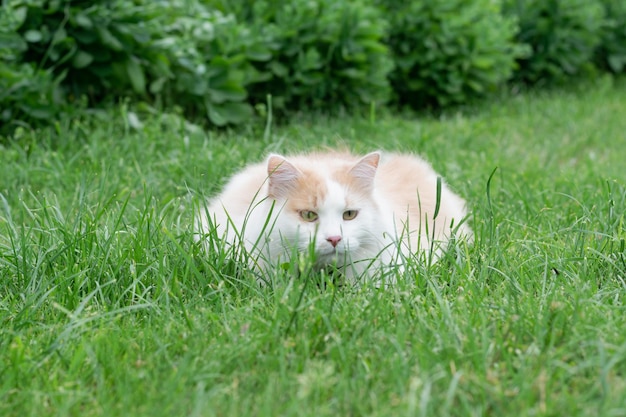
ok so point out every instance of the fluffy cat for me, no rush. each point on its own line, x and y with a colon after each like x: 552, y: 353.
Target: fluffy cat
x: 356, y: 213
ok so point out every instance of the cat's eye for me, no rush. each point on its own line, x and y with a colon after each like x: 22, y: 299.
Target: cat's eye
x: 309, y: 216
x: 350, y: 214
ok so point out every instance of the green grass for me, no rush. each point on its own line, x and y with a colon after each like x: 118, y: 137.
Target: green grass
x: 108, y: 308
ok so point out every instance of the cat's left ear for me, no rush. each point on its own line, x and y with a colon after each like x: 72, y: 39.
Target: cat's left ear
x: 282, y: 176
x: 364, y: 170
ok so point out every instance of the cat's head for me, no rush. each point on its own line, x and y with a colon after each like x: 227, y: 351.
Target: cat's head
x: 328, y: 203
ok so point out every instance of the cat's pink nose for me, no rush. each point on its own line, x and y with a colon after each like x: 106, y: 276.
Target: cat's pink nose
x: 334, y: 240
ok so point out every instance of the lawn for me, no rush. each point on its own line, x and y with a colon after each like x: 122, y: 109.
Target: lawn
x: 108, y: 308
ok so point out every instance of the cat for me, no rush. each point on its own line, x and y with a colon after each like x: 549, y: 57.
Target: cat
x: 355, y: 213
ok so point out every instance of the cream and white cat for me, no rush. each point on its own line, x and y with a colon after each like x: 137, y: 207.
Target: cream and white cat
x: 356, y: 213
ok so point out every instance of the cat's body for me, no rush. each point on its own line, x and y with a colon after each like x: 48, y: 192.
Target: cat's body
x: 358, y: 213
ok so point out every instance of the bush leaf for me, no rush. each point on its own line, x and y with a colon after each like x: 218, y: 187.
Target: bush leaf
x: 136, y: 75
x: 82, y: 59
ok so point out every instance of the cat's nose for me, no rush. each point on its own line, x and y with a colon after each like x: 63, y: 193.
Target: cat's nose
x: 334, y: 240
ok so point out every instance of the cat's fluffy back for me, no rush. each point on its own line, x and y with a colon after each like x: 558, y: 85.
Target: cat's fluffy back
x: 238, y: 196
x: 408, y: 184
x: 326, y: 164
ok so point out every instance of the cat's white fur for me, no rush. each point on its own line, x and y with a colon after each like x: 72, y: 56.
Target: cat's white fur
x: 395, y: 196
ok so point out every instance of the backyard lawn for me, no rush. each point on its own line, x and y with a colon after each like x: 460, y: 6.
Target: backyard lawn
x: 109, y: 308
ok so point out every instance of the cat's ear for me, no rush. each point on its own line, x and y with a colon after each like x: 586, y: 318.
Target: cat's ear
x: 282, y: 176
x: 364, y: 170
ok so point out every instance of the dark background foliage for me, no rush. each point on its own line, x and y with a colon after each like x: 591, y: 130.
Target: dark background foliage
x: 323, y: 53
x: 611, y: 52
x: 216, y: 60
x: 562, y: 35
x: 450, y: 51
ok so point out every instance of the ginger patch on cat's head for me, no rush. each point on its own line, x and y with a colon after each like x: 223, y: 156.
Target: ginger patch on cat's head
x: 309, y: 193
x: 304, y: 189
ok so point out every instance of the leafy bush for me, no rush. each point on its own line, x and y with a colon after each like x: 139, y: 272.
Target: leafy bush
x: 176, y: 51
x: 207, y: 57
x: 28, y: 97
x: 214, y: 58
x: 27, y: 94
x: 99, y: 46
x: 611, y: 53
x: 324, y: 53
x: 449, y: 51
x: 562, y: 34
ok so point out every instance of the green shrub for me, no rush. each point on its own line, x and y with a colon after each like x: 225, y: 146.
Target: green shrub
x: 178, y: 52
x: 562, y: 35
x: 100, y: 46
x: 448, y: 52
x: 611, y: 53
x: 28, y: 95
x: 208, y: 57
x: 324, y: 53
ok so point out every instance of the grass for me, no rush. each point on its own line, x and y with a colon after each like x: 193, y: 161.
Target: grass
x: 108, y: 308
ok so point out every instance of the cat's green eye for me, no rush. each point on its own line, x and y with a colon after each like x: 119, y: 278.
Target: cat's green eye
x: 350, y: 214
x: 309, y: 216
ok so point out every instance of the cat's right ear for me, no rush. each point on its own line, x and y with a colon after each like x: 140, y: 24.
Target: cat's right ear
x: 282, y: 176
x: 365, y: 170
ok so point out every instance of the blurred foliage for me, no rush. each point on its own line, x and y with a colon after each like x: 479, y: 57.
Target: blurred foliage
x: 611, y: 53
x: 107, y: 49
x: 217, y: 60
x: 323, y: 53
x: 562, y: 35
x: 449, y: 51
x: 28, y: 94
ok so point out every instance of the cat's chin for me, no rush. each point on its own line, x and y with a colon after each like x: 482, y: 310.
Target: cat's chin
x: 326, y: 258
x: 330, y: 252
x: 331, y: 256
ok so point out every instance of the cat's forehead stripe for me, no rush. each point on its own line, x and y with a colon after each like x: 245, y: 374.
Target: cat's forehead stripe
x: 336, y: 194
x: 310, y: 191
